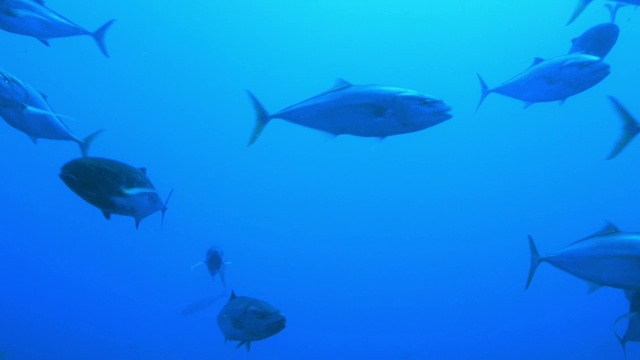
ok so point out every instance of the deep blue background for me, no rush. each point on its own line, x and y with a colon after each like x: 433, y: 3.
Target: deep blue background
x: 410, y: 248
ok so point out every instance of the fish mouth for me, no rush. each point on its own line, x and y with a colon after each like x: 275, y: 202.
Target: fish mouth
x: 68, y: 179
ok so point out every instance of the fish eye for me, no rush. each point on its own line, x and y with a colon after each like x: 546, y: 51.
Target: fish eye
x: 6, y: 79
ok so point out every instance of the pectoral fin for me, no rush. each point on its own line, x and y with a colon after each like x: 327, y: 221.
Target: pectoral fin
x: 137, y: 191
x: 36, y: 111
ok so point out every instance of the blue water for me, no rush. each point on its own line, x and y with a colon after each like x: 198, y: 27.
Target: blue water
x: 414, y: 247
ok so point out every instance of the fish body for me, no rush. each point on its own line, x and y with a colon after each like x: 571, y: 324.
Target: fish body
x: 597, y: 40
x: 246, y: 319
x: 608, y: 258
x: 33, y: 18
x: 215, y: 263
x: 360, y: 110
x: 26, y: 109
x: 554, y: 79
x: 113, y: 187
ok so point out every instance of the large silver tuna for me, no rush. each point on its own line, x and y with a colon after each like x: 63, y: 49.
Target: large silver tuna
x: 33, y: 18
x: 246, y: 319
x: 607, y: 258
x: 597, y: 40
x: 27, y: 110
x: 361, y: 110
x: 554, y: 79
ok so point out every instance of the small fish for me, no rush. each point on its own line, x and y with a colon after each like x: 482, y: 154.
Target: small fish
x: 608, y: 258
x: 246, y: 319
x: 27, y: 110
x: 215, y: 262
x: 360, y: 110
x: 33, y: 18
x: 597, y: 40
x: 630, y: 128
x: 554, y: 79
x: 633, y: 325
x: 113, y: 187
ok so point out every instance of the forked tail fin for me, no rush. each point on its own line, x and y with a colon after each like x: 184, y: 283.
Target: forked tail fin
x: 262, y: 118
x: 98, y: 36
x: 86, y: 142
x: 535, y: 261
x: 630, y: 128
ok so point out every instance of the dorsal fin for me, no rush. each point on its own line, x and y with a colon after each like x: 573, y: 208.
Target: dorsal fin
x: 143, y: 169
x: 233, y: 295
x: 536, y: 61
x: 340, y: 84
x: 608, y: 228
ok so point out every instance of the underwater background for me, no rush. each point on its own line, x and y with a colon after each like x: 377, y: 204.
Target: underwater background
x: 414, y: 247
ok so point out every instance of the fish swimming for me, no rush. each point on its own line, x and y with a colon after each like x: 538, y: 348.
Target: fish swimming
x: 360, y: 110
x: 33, y: 18
x: 633, y: 325
x: 554, y: 79
x: 113, y: 187
x: 246, y: 319
x: 215, y: 262
x: 613, y: 9
x: 27, y: 110
x: 607, y: 258
x: 597, y: 40
x: 630, y: 128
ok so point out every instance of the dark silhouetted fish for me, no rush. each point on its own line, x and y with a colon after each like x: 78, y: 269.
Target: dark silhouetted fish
x: 551, y: 80
x: 607, y: 258
x: 33, y: 18
x: 27, y: 110
x: 215, y: 262
x: 596, y: 41
x: 633, y: 325
x: 630, y: 128
x: 113, y: 187
x: 246, y: 319
x: 361, y: 110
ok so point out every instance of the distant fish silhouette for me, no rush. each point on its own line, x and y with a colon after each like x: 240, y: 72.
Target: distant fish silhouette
x: 215, y: 262
x: 26, y: 109
x: 554, y: 79
x: 361, y: 110
x: 597, y: 40
x: 246, y: 319
x: 113, y: 187
x: 582, y: 4
x: 608, y: 258
x: 630, y: 128
x: 33, y: 18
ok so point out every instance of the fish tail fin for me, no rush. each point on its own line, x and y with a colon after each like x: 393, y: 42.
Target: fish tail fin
x: 85, y: 143
x: 262, y: 118
x: 623, y: 343
x: 164, y: 209
x: 98, y: 35
x: 630, y: 128
x: 613, y: 10
x: 582, y: 4
x: 535, y: 261
x: 485, y: 91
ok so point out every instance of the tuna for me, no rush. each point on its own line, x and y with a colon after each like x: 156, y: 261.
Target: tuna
x: 633, y: 325
x: 215, y: 262
x: 630, y: 128
x: 607, y: 258
x: 360, y: 110
x: 26, y: 109
x: 113, y: 187
x: 596, y: 41
x: 33, y: 18
x: 246, y: 319
x: 554, y: 79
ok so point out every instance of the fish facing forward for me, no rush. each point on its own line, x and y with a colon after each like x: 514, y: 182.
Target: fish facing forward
x: 215, y: 262
x: 246, y: 319
x: 554, y: 79
x: 27, y: 110
x: 113, y: 187
x: 597, y: 40
x: 33, y: 18
x: 607, y: 258
x: 360, y: 110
